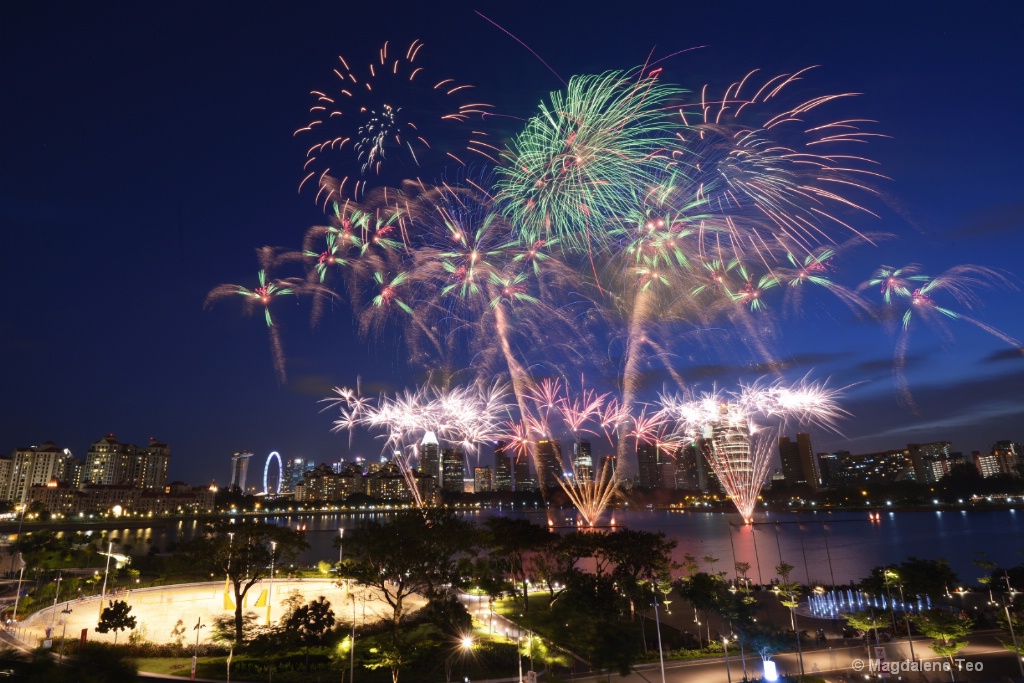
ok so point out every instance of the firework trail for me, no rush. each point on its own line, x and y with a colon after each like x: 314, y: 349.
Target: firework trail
x: 553, y: 411
x: 737, y: 448
x: 921, y: 294
x: 383, y: 118
x: 475, y: 286
x: 463, y: 416
x: 262, y: 296
x: 778, y: 177
x: 755, y: 192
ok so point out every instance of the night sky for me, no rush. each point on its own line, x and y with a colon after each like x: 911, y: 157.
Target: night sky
x: 147, y: 151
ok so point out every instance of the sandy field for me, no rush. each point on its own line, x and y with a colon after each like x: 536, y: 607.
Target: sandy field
x: 157, y: 610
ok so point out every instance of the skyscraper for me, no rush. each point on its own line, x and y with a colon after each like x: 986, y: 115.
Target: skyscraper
x: 521, y: 470
x: 239, y: 468
x: 798, y: 463
x: 148, y: 465
x: 647, y: 465
x: 36, y: 465
x: 502, y: 468
x: 583, y: 460
x: 430, y: 456
x: 108, y: 461
x: 548, y: 459
x: 453, y: 470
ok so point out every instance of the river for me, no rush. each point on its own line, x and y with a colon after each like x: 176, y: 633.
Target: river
x: 824, y: 548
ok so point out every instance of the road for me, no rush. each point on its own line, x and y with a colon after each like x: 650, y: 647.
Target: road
x: 840, y: 663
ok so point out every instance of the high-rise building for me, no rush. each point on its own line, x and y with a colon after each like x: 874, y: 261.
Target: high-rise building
x: 502, y: 468
x: 36, y: 466
x: 293, y: 471
x: 828, y: 467
x: 148, y: 465
x: 726, y: 443
x: 988, y: 464
x: 521, y: 470
x: 430, y: 456
x: 798, y: 464
x: 583, y: 460
x: 548, y: 458
x: 871, y: 468
x: 483, y: 480
x: 453, y: 470
x: 1011, y: 457
x: 108, y: 462
x: 938, y: 466
x: 647, y: 465
x: 239, y: 469
x: 667, y: 474
x: 922, y: 453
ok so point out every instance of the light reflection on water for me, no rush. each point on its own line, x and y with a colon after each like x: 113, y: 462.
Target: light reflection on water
x: 846, y: 545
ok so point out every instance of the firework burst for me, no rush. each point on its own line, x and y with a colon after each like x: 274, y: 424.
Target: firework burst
x: 583, y: 161
x: 390, y: 119
x: 463, y: 416
x: 261, y: 296
x: 736, y: 446
x: 924, y: 299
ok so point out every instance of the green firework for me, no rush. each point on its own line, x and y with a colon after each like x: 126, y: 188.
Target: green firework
x: 588, y: 158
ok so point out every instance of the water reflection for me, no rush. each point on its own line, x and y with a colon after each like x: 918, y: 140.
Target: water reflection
x: 824, y: 548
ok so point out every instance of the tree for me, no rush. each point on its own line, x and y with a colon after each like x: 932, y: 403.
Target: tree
x: 117, y: 617
x: 919, y: 577
x: 312, y: 621
x: 861, y: 621
x: 245, y: 554
x: 591, y: 608
x: 178, y: 634
x: 989, y: 567
x: 510, y: 540
x: 411, y: 552
x: 948, y: 629
x: 642, y: 559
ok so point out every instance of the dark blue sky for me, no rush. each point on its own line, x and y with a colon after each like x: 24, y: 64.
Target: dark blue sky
x: 147, y: 150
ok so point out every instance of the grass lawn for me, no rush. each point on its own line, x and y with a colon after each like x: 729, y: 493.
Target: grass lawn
x: 182, y: 666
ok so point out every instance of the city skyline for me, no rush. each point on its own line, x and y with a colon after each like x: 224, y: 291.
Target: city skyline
x: 145, y: 161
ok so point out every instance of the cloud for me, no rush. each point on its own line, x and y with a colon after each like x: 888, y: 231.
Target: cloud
x: 998, y: 219
x: 1004, y: 355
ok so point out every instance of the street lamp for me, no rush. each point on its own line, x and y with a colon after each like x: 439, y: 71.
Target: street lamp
x: 728, y: 669
x: 352, y: 652
x: 53, y: 611
x: 657, y: 621
x: 906, y: 618
x: 21, y: 559
x: 103, y: 593
x: 66, y: 611
x: 270, y: 588
x: 1009, y: 623
x: 195, y: 653
x: 341, y: 550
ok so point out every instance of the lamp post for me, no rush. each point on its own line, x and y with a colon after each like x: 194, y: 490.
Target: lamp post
x: 352, y: 650
x: 270, y: 589
x: 728, y: 669
x: 906, y: 620
x: 53, y: 611
x: 195, y: 652
x: 64, y: 632
x: 657, y: 622
x: 21, y: 521
x: 17, y: 597
x: 341, y: 550
x: 1009, y: 623
x: 103, y: 593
